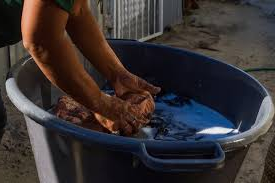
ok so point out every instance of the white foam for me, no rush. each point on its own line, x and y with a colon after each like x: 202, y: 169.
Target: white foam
x: 205, y: 122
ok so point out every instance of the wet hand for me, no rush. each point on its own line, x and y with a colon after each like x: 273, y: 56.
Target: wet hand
x: 126, y: 116
x: 126, y: 82
x: 144, y: 102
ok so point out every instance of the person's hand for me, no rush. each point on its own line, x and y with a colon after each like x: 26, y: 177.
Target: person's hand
x: 126, y: 82
x: 125, y: 116
x: 144, y: 101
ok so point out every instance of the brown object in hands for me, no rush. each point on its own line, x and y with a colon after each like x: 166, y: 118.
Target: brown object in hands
x: 144, y: 102
x: 70, y: 110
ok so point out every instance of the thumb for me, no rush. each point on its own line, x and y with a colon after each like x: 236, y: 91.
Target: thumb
x: 148, y: 87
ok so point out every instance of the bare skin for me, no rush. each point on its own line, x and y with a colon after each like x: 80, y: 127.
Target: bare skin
x: 69, y: 110
x: 43, y: 30
x: 84, y: 24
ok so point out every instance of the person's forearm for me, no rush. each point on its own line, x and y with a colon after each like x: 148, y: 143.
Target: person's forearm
x: 94, y: 47
x: 43, y: 31
x: 61, y: 66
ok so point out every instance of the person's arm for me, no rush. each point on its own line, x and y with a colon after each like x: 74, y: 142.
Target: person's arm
x: 43, y: 30
x: 86, y: 34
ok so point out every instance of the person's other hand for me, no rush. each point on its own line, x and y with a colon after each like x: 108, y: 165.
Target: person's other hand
x: 126, y: 116
x: 144, y: 101
x: 126, y: 82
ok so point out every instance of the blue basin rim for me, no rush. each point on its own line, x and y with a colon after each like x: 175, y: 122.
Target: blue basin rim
x: 136, y: 146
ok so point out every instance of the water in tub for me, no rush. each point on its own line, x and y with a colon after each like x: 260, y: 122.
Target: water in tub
x: 180, y: 118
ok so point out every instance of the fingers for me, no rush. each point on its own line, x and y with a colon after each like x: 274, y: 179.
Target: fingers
x: 114, y: 127
x: 147, y: 107
x: 128, y: 82
x: 134, y: 120
x: 139, y: 110
x: 126, y: 125
x: 134, y: 98
x: 148, y: 87
x: 126, y: 117
x: 130, y: 125
x: 106, y: 123
x: 126, y: 128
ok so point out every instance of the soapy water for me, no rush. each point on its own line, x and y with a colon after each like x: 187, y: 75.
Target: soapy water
x: 181, y: 118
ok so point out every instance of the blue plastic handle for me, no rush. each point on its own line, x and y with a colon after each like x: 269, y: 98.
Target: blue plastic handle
x: 182, y: 157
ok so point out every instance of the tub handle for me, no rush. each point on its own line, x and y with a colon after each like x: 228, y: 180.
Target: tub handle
x: 182, y: 157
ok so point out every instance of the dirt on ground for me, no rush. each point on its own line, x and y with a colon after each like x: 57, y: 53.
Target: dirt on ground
x: 16, y: 158
x: 240, y: 35
x: 237, y: 34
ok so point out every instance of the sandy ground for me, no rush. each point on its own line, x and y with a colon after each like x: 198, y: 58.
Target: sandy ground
x: 237, y: 34
x: 240, y: 35
x: 16, y: 158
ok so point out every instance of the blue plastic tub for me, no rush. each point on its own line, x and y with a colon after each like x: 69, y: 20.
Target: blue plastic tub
x: 67, y: 153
